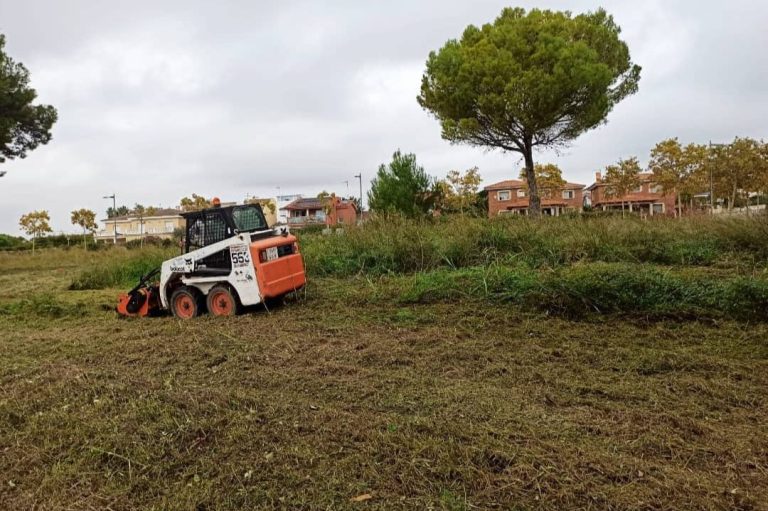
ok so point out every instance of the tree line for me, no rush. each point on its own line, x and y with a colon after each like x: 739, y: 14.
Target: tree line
x: 731, y: 173
x: 37, y: 223
x: 727, y: 174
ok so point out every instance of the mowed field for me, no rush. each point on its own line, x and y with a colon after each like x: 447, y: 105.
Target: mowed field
x: 349, y: 397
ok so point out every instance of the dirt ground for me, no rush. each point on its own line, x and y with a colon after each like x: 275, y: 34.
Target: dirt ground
x: 346, y: 399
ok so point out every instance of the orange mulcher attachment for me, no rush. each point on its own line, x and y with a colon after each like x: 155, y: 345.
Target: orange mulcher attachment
x: 142, y: 300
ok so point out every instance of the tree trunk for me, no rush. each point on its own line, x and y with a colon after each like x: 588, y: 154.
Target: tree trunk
x: 33, y: 245
x: 85, y: 240
x: 622, y: 209
x: 679, y: 205
x: 534, y: 203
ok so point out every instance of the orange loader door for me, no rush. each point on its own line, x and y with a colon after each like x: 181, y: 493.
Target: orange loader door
x: 278, y: 264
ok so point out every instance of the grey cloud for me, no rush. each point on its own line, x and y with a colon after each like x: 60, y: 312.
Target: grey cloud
x: 161, y: 99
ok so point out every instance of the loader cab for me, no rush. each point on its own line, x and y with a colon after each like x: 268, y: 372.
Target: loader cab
x: 216, y: 224
x: 212, y: 225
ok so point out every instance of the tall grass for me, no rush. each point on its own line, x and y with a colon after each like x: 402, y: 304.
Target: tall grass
x: 398, y: 245
x: 624, y: 288
x: 122, y: 270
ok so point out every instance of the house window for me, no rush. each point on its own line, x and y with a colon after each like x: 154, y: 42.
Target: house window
x: 638, y: 189
x: 656, y: 188
x: 520, y: 192
x: 568, y: 194
x: 503, y: 195
x: 168, y: 226
x: 658, y: 209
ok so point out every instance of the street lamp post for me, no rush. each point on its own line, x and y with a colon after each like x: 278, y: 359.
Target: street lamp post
x: 360, y: 178
x: 114, y: 211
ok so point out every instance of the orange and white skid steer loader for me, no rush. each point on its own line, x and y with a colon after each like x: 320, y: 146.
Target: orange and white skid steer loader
x: 231, y: 259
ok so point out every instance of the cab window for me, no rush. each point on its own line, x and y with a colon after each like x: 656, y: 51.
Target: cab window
x: 248, y: 218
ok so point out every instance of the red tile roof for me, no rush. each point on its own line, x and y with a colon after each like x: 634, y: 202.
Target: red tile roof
x: 302, y: 204
x: 645, y: 177
x: 517, y: 183
x: 503, y: 185
x: 632, y: 197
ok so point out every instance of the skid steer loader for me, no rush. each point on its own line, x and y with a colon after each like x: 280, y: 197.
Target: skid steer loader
x: 231, y: 259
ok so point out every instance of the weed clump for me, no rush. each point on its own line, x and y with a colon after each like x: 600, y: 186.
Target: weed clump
x: 42, y: 306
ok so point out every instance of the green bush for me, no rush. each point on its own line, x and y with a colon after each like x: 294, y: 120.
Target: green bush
x: 8, y: 242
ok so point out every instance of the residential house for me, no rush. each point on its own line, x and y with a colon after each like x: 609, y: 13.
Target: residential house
x: 282, y: 202
x: 304, y: 212
x: 161, y: 223
x: 511, y: 197
x: 343, y: 211
x: 647, y: 199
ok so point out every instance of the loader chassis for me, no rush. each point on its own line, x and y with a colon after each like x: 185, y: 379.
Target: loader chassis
x: 231, y: 259
x: 241, y: 275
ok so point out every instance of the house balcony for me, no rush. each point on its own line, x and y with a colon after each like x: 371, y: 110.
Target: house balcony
x: 306, y: 220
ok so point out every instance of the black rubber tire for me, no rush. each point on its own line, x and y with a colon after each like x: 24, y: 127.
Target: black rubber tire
x: 186, y: 303
x: 215, y: 310
x: 274, y: 302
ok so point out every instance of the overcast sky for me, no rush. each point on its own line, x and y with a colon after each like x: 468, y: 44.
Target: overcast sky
x: 158, y: 100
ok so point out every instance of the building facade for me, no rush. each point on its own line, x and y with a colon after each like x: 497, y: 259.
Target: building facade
x: 647, y: 199
x: 343, y: 211
x: 161, y: 224
x: 511, y: 197
x: 304, y: 212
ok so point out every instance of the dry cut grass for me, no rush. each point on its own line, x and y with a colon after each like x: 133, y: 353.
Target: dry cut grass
x: 346, y: 399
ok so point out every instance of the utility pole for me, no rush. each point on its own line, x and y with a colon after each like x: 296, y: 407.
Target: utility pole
x: 114, y: 211
x: 360, y: 178
x: 141, y: 229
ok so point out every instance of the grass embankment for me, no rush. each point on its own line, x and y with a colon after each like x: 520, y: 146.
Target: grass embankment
x: 396, y: 245
x: 710, y: 267
x: 604, y: 288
